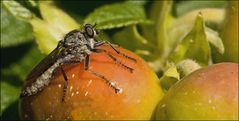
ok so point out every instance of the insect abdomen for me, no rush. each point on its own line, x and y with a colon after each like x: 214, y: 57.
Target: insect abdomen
x: 41, y: 81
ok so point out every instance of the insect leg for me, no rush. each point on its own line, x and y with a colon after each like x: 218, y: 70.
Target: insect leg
x: 65, y: 83
x: 87, y: 61
x: 65, y: 77
x: 120, y: 63
x: 114, y: 59
x: 100, y: 43
x: 108, y: 82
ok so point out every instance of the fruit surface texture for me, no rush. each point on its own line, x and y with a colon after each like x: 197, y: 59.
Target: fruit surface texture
x: 210, y: 93
x: 89, y: 97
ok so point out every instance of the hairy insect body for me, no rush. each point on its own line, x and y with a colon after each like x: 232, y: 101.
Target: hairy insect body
x: 76, y: 47
x: 68, y: 49
x: 45, y: 78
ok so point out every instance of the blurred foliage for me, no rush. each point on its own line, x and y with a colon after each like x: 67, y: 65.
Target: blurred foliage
x: 14, y: 31
x: 164, y: 33
x: 229, y: 35
x: 113, y: 16
x: 50, y: 29
x: 189, y: 48
x: 184, y: 6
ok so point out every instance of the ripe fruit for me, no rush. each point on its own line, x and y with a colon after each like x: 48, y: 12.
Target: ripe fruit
x: 210, y: 93
x: 89, y: 97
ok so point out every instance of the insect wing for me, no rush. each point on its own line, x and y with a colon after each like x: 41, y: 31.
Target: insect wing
x: 47, y: 62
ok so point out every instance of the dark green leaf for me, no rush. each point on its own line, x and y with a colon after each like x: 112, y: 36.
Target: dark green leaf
x: 23, y: 59
x: 33, y: 3
x: 16, y: 63
x: 117, y: 15
x: 32, y: 6
x: 9, y: 94
x: 13, y: 31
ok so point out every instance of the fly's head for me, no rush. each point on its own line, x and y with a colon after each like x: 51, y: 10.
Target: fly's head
x: 91, y: 33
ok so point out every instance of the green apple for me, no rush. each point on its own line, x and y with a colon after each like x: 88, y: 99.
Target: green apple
x: 209, y: 93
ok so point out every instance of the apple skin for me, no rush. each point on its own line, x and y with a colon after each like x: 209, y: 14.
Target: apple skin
x: 88, y: 97
x: 210, y: 93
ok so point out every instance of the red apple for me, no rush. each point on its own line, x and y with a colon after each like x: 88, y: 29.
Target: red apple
x: 88, y: 97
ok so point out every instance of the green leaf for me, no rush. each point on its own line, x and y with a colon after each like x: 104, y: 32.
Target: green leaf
x: 130, y: 39
x: 32, y: 6
x: 128, y: 36
x: 172, y: 72
x: 33, y: 3
x: 184, y: 24
x: 57, y: 17
x: 9, y: 94
x: 186, y: 6
x: 138, y: 2
x: 29, y: 4
x: 215, y: 40
x: 157, y: 33
x: 17, y: 10
x: 194, y: 46
x: 14, y: 31
x: 213, y: 16
x: 117, y: 15
x: 14, y: 73
x: 16, y: 63
x: 55, y: 24
x: 170, y: 76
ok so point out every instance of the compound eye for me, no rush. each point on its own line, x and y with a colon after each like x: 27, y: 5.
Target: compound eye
x: 89, y: 31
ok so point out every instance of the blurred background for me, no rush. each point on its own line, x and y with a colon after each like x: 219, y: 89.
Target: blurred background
x: 158, y: 31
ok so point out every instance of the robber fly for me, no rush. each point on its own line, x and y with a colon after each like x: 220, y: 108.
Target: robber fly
x: 76, y: 47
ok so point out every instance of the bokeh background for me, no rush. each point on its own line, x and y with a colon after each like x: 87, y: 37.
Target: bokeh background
x: 158, y: 31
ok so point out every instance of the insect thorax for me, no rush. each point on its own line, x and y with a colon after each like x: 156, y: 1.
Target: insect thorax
x: 74, y: 38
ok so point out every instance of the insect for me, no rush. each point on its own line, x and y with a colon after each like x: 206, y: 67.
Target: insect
x: 76, y: 47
